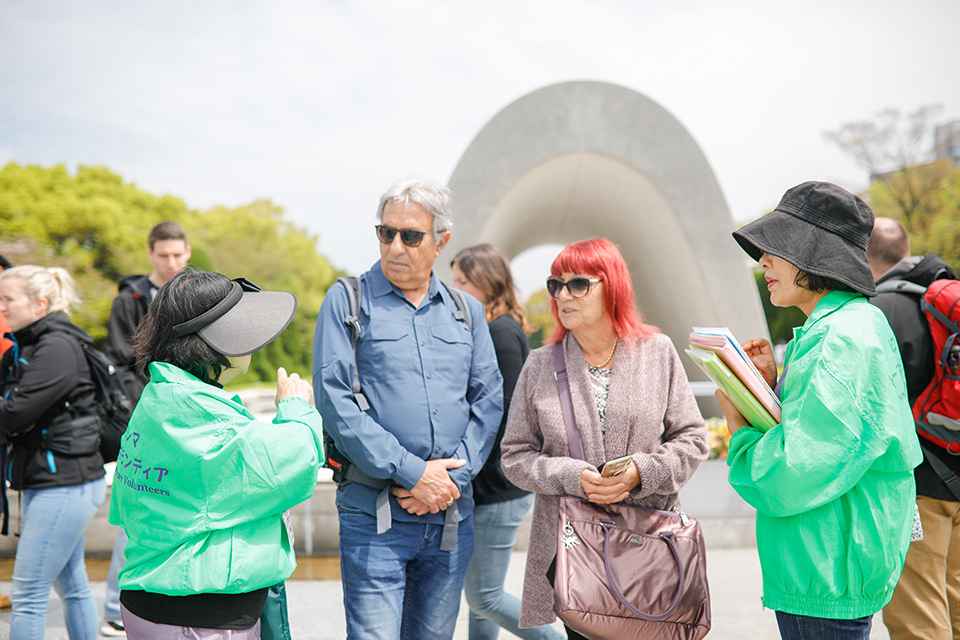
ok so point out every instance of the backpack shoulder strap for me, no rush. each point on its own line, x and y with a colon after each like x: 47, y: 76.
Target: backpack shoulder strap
x: 901, y: 286
x: 463, y: 309
x: 352, y: 320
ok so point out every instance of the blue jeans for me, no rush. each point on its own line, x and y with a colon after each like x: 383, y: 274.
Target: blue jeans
x: 111, y: 607
x: 794, y: 627
x: 491, y: 608
x: 399, y: 584
x: 50, y: 554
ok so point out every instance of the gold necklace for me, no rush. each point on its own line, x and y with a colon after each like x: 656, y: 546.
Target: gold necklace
x: 609, y: 358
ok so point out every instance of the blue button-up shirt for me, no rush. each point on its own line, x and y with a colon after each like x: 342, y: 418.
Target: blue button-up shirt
x: 434, y: 388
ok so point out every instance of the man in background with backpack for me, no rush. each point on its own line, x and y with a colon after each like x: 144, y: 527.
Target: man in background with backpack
x: 415, y: 430
x: 169, y: 252
x: 926, y: 602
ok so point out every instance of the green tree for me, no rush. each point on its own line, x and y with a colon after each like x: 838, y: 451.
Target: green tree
x: 95, y: 225
x: 540, y: 317
x: 92, y: 224
x: 907, y: 183
x: 936, y: 227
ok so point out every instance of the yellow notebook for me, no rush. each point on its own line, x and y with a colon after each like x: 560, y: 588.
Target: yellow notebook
x: 741, y: 397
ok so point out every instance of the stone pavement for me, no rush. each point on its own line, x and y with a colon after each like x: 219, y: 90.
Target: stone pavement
x: 316, y: 611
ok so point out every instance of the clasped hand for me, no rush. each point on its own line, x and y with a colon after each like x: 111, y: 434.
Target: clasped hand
x: 610, y: 490
x: 434, y: 491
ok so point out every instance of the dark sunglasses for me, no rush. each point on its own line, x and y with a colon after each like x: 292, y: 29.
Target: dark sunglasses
x: 578, y: 287
x: 409, y: 237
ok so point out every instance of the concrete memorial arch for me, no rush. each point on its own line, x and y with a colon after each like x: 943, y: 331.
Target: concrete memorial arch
x: 583, y: 159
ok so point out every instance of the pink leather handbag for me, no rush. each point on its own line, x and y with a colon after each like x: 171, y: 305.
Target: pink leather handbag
x: 624, y: 572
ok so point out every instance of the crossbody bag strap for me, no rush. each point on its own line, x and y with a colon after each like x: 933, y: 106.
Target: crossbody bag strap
x: 949, y: 478
x: 566, y: 402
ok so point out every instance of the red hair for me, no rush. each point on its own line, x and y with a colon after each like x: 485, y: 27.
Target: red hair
x: 602, y: 259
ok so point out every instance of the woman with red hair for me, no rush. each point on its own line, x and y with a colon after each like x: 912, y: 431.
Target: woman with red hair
x: 630, y: 397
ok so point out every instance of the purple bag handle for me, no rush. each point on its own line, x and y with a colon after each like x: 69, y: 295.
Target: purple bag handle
x: 566, y: 402
x: 576, y: 449
x: 669, y: 538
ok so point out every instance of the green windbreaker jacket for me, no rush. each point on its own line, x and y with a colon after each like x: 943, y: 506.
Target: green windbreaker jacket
x: 833, y: 484
x: 201, y: 487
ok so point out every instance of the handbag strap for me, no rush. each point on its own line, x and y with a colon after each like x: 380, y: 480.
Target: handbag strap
x: 669, y: 538
x: 566, y: 402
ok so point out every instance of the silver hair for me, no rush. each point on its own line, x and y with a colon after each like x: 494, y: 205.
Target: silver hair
x: 433, y: 196
x: 52, y: 283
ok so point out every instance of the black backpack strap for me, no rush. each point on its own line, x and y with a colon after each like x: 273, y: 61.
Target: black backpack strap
x: 352, y: 320
x: 344, y: 471
x: 949, y: 478
x: 901, y: 286
x: 350, y: 472
x: 462, y: 313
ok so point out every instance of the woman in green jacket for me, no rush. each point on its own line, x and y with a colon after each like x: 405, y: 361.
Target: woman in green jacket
x: 201, y: 485
x: 833, y: 484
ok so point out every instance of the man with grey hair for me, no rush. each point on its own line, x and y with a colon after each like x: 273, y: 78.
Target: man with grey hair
x: 411, y: 396
x: 924, y: 603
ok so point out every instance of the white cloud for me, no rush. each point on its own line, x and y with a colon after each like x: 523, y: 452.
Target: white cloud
x: 320, y: 105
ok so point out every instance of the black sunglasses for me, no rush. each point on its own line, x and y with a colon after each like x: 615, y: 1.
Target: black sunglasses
x: 409, y: 237
x: 578, y: 287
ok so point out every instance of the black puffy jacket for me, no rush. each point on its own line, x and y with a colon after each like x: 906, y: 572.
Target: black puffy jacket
x: 46, y: 381
x: 129, y: 308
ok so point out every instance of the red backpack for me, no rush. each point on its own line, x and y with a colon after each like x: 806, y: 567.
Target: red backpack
x: 937, y: 409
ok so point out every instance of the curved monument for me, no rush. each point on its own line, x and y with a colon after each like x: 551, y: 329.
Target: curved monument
x: 582, y: 159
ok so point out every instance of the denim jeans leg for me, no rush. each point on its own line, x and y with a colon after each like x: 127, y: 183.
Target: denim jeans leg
x: 50, y: 554
x: 491, y: 608
x: 434, y: 584
x: 794, y: 627
x: 373, y: 575
x: 111, y: 607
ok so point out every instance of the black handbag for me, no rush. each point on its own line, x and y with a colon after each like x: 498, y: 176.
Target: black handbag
x: 624, y: 572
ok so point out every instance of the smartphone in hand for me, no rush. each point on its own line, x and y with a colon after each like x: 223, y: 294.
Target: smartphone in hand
x: 615, y: 467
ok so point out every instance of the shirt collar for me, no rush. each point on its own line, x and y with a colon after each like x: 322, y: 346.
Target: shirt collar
x: 827, y: 305
x: 380, y: 286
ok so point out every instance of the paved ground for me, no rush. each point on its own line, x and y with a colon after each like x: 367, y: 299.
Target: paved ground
x: 316, y: 612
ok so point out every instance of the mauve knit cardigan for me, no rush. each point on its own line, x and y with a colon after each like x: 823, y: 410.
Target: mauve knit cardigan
x: 651, y: 415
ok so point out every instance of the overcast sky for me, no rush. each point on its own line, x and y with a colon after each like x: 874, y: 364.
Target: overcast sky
x: 320, y: 105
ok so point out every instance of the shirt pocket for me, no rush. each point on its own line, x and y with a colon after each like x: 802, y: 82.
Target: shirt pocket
x: 452, y: 352
x: 386, y: 351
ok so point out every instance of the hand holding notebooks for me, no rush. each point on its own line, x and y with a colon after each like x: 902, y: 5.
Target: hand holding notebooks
x: 717, y: 352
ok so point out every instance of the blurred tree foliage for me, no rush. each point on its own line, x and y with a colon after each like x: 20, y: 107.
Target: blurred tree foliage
x: 95, y: 225
x: 907, y: 181
x: 934, y: 224
x: 540, y: 316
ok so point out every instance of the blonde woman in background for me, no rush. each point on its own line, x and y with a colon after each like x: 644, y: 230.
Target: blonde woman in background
x: 48, y: 419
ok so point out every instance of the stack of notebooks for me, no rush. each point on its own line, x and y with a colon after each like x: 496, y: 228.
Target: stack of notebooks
x: 718, y: 353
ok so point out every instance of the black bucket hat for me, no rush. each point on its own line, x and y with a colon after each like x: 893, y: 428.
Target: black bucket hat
x: 246, y: 320
x: 819, y: 228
